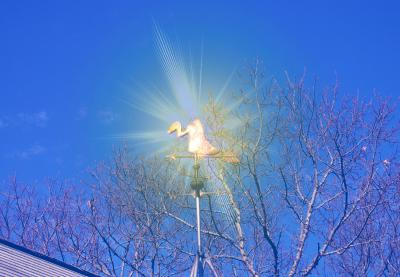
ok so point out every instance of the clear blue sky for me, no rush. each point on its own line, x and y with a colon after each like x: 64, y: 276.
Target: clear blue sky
x: 65, y: 65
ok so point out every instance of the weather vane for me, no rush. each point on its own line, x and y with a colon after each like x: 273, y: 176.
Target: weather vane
x: 199, y: 147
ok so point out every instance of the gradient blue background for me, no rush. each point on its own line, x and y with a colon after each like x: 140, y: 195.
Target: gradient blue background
x: 66, y: 65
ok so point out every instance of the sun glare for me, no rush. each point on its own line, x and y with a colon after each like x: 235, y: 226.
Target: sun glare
x: 183, y: 101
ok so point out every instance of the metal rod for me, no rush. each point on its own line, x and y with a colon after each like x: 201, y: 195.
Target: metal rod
x: 199, y: 265
x: 198, y: 221
x: 216, y: 156
x: 197, y: 193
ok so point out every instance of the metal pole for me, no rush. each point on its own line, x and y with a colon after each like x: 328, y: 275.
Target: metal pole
x: 197, y: 194
x: 197, y: 269
x: 198, y: 221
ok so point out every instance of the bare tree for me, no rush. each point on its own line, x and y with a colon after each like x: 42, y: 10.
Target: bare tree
x: 316, y: 192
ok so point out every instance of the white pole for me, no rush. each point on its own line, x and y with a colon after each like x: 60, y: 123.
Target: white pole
x: 198, y: 221
x: 197, y: 187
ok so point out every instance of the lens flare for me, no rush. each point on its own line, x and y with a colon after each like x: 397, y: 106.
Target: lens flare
x: 184, y: 101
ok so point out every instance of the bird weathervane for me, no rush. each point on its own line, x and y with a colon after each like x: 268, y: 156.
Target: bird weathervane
x: 199, y: 146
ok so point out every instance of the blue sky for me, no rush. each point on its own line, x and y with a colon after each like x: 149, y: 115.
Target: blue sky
x: 66, y: 66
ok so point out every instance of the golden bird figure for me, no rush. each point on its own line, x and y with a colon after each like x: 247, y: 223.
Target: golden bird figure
x: 198, y: 144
